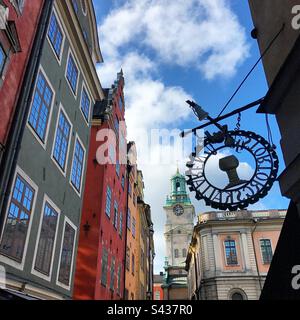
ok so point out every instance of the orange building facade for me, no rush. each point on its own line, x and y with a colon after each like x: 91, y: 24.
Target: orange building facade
x: 158, y: 292
x: 131, y: 277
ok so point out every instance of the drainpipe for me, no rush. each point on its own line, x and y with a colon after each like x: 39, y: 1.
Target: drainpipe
x: 196, y: 275
x: 256, y: 263
x: 13, y: 146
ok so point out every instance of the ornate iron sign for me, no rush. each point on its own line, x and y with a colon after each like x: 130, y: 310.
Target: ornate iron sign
x: 227, y: 147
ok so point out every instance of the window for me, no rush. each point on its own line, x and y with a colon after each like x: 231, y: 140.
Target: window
x: 72, y: 73
x: 55, y: 35
x: 129, y: 189
x: 128, y: 258
x: 121, y: 103
x: 108, y: 201
x: 266, y: 251
x: 133, y: 264
x: 66, y: 257
x: 142, y: 260
x: 121, y: 225
x: 85, y: 104
x: 17, y: 221
x: 230, y: 251
x: 104, y: 267
x: 3, y: 58
x: 133, y: 226
x: 112, y: 153
x: 119, y: 280
x: 117, y: 125
x: 46, y: 240
x: 237, y: 296
x: 62, y: 139
x: 123, y: 182
x: 112, y: 274
x: 184, y: 253
x: 78, y: 165
x: 115, y: 222
x: 85, y: 35
x: 40, y: 108
x: 118, y: 168
x: 18, y: 5
x: 129, y: 219
x: 75, y: 5
x: 83, y: 6
x: 157, y: 295
x: 176, y: 253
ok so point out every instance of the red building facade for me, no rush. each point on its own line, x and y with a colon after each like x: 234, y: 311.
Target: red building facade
x: 18, y: 24
x: 102, y: 241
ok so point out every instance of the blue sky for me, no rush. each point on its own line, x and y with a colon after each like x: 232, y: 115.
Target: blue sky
x: 198, y: 49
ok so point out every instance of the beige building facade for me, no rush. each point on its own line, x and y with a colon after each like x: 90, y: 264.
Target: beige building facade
x: 230, y: 254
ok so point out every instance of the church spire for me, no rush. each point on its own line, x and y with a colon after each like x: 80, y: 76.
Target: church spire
x: 178, y: 190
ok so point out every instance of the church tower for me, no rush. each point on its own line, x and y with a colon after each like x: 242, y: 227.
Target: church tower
x: 180, y: 214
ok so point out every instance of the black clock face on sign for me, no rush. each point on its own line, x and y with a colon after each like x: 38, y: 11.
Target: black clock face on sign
x: 178, y: 210
x: 234, y: 172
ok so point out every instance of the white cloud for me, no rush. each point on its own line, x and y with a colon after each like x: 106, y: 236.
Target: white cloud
x: 200, y: 33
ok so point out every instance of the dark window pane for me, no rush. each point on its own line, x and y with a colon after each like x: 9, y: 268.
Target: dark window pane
x: 75, y: 5
x: 112, y: 274
x: 104, y: 267
x: 2, y: 59
x: 119, y: 279
x: 237, y: 296
x: 115, y: 222
x: 108, y: 201
x: 17, y: 221
x: 266, y: 250
x: 66, y: 255
x: 46, y: 240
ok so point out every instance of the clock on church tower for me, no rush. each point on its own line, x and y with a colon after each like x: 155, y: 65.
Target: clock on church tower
x: 180, y: 215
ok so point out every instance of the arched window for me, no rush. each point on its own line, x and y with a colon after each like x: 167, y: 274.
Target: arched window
x: 184, y: 253
x: 176, y: 253
x: 177, y: 186
x: 237, y: 294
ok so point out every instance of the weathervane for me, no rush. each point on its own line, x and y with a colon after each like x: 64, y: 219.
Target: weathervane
x: 227, y: 148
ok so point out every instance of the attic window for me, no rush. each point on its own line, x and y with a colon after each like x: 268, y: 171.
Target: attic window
x: 83, y: 6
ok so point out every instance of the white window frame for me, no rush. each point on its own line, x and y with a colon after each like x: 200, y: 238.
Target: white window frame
x: 58, y: 211
x: 58, y: 18
x: 61, y: 109
x: 58, y: 283
x: 87, y: 121
x: 79, y: 193
x: 70, y: 52
x: 7, y: 260
x: 43, y: 144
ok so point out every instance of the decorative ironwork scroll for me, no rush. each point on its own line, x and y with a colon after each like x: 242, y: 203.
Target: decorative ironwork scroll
x: 227, y: 147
